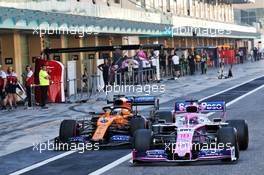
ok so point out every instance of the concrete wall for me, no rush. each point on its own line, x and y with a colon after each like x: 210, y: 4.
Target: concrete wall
x: 7, y: 43
x: 34, y: 47
x: 194, y: 8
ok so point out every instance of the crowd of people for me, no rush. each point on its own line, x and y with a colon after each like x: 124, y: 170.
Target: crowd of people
x: 139, y: 68
x: 256, y: 54
x: 143, y: 67
x: 9, y: 84
x: 174, y: 63
x: 181, y: 64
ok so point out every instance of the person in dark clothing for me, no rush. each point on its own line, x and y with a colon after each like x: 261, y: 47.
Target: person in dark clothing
x: 85, y: 77
x: 170, y: 65
x: 162, y: 62
x: 241, y: 55
x: 11, y: 85
x: 3, y: 88
x: 204, y: 62
x: 29, y: 81
x: 255, y: 54
x: 105, y: 69
x: 191, y: 60
x: 124, y: 68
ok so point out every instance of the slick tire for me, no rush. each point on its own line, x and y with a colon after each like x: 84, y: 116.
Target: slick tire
x: 228, y: 136
x: 142, y: 140
x: 68, y: 129
x: 137, y: 123
x: 242, y: 132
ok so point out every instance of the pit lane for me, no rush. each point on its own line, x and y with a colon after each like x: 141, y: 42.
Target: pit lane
x: 90, y: 161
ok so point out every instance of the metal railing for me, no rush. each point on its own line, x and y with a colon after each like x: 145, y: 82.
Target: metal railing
x: 141, y: 77
x: 88, y: 87
x: 33, y: 96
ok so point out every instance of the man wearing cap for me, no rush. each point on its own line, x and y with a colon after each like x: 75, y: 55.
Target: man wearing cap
x: 2, y: 87
x: 44, y: 84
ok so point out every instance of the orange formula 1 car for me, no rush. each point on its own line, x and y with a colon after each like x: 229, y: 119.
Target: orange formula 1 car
x: 114, y: 126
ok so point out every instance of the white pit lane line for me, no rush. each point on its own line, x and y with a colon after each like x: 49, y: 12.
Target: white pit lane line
x: 42, y: 163
x: 128, y: 156
x: 111, y: 165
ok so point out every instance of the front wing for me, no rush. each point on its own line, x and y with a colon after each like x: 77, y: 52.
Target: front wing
x: 115, y: 140
x: 162, y: 156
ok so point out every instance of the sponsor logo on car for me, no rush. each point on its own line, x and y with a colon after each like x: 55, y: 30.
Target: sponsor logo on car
x: 156, y: 154
x: 120, y: 138
x: 104, y: 120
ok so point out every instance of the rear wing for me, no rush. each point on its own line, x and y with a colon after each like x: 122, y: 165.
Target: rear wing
x: 143, y: 100
x: 220, y: 106
x: 139, y: 100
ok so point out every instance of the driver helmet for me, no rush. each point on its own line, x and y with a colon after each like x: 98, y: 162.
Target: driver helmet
x: 123, y: 102
x: 193, y: 121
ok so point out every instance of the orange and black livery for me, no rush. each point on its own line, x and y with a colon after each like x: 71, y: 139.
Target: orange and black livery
x: 114, y: 126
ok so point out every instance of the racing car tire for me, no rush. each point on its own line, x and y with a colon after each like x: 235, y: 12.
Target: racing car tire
x: 242, y: 132
x: 137, y: 123
x: 68, y: 129
x: 164, y: 115
x: 142, y: 140
x: 228, y: 135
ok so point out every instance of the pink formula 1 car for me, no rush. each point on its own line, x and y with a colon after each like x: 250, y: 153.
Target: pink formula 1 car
x: 187, y: 134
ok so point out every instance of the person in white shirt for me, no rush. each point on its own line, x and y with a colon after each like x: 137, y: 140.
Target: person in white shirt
x: 176, y: 65
x: 130, y: 64
x: 251, y: 55
x: 3, y: 81
x: 29, y: 81
x: 241, y: 55
x: 136, y: 69
x: 11, y: 86
x: 146, y: 66
x: 154, y: 63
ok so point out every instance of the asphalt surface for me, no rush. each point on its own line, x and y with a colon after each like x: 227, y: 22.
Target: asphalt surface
x: 251, y: 161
